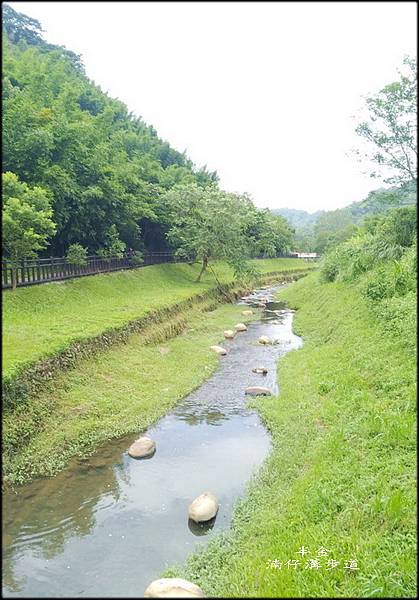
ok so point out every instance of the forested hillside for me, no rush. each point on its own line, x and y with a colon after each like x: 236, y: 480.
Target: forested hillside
x: 101, y: 164
x: 298, y: 218
x: 325, y: 229
x: 92, y: 173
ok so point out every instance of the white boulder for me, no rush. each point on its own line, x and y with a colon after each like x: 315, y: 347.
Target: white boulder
x: 240, y: 327
x: 142, y: 447
x: 262, y: 370
x: 203, y: 508
x: 258, y: 391
x: 264, y: 340
x: 173, y: 587
x: 219, y: 350
x: 229, y: 334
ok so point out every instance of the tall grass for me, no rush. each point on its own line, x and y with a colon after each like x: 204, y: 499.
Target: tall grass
x: 341, y: 475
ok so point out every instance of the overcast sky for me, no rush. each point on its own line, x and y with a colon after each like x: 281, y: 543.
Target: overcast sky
x: 261, y: 92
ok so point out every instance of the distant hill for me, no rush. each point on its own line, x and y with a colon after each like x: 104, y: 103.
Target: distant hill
x: 298, y: 218
x: 314, y: 230
x: 383, y: 199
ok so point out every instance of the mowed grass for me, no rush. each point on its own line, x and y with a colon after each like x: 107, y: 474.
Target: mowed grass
x: 41, y: 320
x: 121, y: 390
x: 342, y: 474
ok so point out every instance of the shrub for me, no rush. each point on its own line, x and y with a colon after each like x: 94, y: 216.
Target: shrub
x: 137, y: 259
x: 77, y: 255
x: 330, y: 266
x: 114, y: 246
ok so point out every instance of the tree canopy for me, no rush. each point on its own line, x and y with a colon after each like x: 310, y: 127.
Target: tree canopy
x: 390, y: 128
x: 209, y: 224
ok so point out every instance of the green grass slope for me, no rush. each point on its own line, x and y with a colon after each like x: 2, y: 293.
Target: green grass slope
x: 120, y: 390
x: 42, y: 320
x: 341, y: 476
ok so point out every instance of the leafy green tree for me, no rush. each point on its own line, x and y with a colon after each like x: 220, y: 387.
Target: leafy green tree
x: 391, y: 126
x: 206, y: 224
x: 27, y: 220
x: 268, y: 234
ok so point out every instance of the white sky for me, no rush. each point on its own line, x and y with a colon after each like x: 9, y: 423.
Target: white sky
x: 261, y: 92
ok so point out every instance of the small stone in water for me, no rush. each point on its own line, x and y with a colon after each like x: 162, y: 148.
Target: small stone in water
x: 262, y: 370
x: 240, y: 327
x: 264, y: 340
x: 258, y: 391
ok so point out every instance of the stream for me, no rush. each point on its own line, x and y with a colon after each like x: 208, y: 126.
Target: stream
x: 108, y: 525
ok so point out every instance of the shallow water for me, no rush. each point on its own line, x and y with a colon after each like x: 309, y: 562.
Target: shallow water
x: 108, y: 525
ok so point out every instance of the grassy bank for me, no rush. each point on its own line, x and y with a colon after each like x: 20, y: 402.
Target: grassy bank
x: 42, y: 320
x: 341, y: 475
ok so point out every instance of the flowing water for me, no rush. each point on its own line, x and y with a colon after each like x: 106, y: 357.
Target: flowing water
x: 108, y: 525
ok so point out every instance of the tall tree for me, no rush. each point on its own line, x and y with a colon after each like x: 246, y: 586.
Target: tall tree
x: 391, y: 127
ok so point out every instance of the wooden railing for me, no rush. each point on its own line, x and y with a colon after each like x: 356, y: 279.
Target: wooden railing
x: 44, y: 270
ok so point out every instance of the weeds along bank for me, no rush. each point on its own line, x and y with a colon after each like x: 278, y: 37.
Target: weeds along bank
x: 341, y: 476
x: 114, y: 388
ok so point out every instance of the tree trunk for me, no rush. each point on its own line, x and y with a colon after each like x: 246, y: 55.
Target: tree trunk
x: 204, y: 266
x: 14, y: 278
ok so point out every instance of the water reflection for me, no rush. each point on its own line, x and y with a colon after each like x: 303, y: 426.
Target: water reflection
x: 107, y: 525
x: 200, y: 529
x: 198, y: 415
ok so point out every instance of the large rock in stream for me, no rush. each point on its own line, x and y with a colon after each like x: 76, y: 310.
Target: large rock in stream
x: 264, y: 340
x: 240, y: 327
x: 203, y: 508
x: 173, y: 587
x: 142, y: 448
